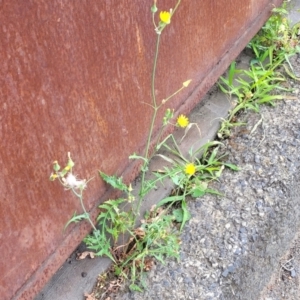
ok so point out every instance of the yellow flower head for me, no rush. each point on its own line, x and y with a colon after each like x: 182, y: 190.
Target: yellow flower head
x: 53, y: 177
x: 67, y: 168
x: 190, y: 169
x: 165, y: 17
x: 182, y: 121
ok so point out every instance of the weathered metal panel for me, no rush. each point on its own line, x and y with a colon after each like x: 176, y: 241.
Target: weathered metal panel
x: 75, y: 76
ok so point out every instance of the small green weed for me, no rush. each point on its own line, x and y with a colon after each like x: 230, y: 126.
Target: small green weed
x: 131, y: 245
x: 191, y: 177
x: 276, y: 37
x: 272, y: 47
x: 256, y: 86
x: 115, y: 235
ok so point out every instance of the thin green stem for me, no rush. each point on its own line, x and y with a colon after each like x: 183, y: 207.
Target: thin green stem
x: 158, y: 145
x: 153, y: 20
x: 167, y: 99
x: 178, y: 2
x: 155, y: 110
x: 84, y: 210
x: 155, y: 107
x: 154, y: 72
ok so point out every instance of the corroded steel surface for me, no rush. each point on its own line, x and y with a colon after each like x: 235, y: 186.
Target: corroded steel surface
x: 75, y: 76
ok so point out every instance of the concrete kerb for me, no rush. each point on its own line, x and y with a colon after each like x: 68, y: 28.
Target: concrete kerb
x: 294, y: 11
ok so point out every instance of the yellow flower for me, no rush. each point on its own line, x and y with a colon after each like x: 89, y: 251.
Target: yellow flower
x: 190, y: 169
x: 165, y: 17
x: 182, y: 121
x: 67, y: 168
x: 53, y: 177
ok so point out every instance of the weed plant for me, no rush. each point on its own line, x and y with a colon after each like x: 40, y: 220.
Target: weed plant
x: 116, y: 235
x: 262, y: 83
x: 277, y: 39
x: 134, y: 246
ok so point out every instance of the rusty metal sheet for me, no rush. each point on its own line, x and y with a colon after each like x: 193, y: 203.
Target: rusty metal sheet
x: 75, y: 76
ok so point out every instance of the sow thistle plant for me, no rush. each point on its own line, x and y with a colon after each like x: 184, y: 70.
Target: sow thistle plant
x: 133, y: 245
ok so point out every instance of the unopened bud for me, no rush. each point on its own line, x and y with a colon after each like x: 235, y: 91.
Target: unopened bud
x: 71, y: 164
x: 56, y: 166
x: 154, y: 7
x: 186, y: 83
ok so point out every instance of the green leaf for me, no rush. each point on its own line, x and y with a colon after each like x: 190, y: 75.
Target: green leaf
x: 213, y: 156
x: 177, y: 179
x: 134, y: 156
x: 270, y: 98
x: 185, y: 214
x: 199, y: 189
x: 168, y: 116
x: 214, y: 192
x: 223, y: 89
x: 178, y: 215
x: 134, y: 287
x: 232, y: 167
x: 56, y: 166
x: 231, y: 73
x: 105, y: 206
x: 170, y: 199
x: 168, y: 159
x: 219, y: 172
x: 101, y: 244
x: 76, y: 219
x: 197, y: 193
x: 115, y: 182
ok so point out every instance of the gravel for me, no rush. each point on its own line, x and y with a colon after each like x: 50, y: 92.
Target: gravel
x: 244, y: 244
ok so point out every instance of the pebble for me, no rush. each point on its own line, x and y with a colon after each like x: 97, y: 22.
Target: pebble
x: 293, y: 273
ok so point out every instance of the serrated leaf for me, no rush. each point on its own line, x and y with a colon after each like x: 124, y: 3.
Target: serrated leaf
x: 115, y: 182
x: 177, y: 178
x: 105, y: 206
x: 76, y: 219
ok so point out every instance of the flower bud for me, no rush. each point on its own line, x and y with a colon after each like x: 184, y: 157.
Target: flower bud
x: 71, y: 164
x: 186, y: 83
x: 154, y: 8
x: 56, y: 166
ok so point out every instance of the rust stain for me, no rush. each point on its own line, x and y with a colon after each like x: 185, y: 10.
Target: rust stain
x: 96, y: 114
x: 140, y: 44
